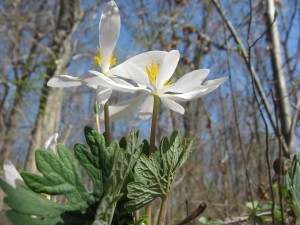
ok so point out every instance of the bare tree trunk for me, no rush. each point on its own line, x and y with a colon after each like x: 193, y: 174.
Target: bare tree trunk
x: 48, y: 117
x: 282, y: 95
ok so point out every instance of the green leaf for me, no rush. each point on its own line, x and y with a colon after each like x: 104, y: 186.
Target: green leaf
x: 108, y: 168
x: 96, y: 161
x: 31, y: 208
x: 252, y: 205
x: 61, y: 176
x: 204, y: 220
x: 155, y: 174
x: 292, y: 179
x: 123, y: 162
x: 142, y: 221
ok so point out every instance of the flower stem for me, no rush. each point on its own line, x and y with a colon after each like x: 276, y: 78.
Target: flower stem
x: 163, y: 211
x: 97, y: 117
x: 153, y: 125
x: 106, y: 122
x: 148, y: 213
x: 136, y: 216
x: 152, y: 145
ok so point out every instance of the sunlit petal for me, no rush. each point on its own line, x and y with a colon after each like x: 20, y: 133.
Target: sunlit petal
x: 137, y: 75
x: 103, y: 94
x: 188, y: 82
x: 124, y: 110
x: 62, y: 81
x: 167, y: 68
x: 146, y: 108
x: 172, y: 105
x: 215, y: 82
x: 102, y: 80
x: 109, y: 29
x: 141, y: 61
x: 11, y: 174
x: 186, y: 96
x: 51, y: 143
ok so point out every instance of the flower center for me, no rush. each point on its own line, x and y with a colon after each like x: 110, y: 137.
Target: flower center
x: 152, y: 72
x: 98, y: 61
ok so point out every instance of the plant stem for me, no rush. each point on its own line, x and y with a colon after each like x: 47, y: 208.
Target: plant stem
x: 106, y: 121
x: 152, y: 145
x: 137, y: 216
x: 163, y: 211
x: 97, y: 123
x: 97, y: 117
x: 153, y: 125
x: 148, y: 213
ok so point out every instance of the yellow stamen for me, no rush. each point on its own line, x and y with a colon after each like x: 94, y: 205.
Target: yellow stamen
x: 45, y: 195
x: 167, y: 83
x: 98, y: 61
x: 152, y: 72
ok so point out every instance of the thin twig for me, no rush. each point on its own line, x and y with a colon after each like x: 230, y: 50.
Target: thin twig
x: 194, y: 214
x: 237, y: 126
x: 245, y: 218
x: 262, y: 115
x: 263, y: 34
x: 267, y: 154
x: 280, y: 164
x: 253, y: 74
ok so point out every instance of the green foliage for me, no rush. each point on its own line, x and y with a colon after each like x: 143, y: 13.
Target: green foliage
x: 155, y: 174
x: 61, y: 175
x: 142, y: 221
x: 207, y: 220
x: 121, y: 167
x: 108, y: 168
x: 292, y: 179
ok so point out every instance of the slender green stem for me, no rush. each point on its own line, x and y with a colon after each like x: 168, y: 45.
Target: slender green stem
x: 148, y: 213
x: 163, y: 211
x: 152, y: 145
x: 153, y: 124
x: 136, y: 216
x: 97, y: 117
x: 107, y: 124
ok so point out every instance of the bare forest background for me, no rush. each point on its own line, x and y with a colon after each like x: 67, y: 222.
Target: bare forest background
x: 241, y: 129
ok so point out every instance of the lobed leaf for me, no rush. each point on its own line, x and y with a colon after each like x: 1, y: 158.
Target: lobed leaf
x: 155, y: 174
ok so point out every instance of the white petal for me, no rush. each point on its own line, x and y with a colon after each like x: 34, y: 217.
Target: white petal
x: 103, y: 94
x: 104, y: 81
x: 124, y: 110
x: 62, y: 81
x: 188, y: 82
x: 186, y: 96
x: 215, y: 82
x: 121, y: 81
x: 137, y: 75
x: 167, y: 68
x: 142, y: 61
x: 109, y: 29
x: 11, y: 174
x: 172, y: 105
x: 146, y: 108
x: 198, y: 92
x: 51, y: 143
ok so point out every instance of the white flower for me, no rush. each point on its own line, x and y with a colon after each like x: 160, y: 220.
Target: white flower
x: 11, y: 174
x: 152, y: 71
x: 109, y: 29
x: 51, y: 143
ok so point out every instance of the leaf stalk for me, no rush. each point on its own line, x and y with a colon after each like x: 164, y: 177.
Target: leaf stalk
x: 153, y: 124
x: 107, y: 124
